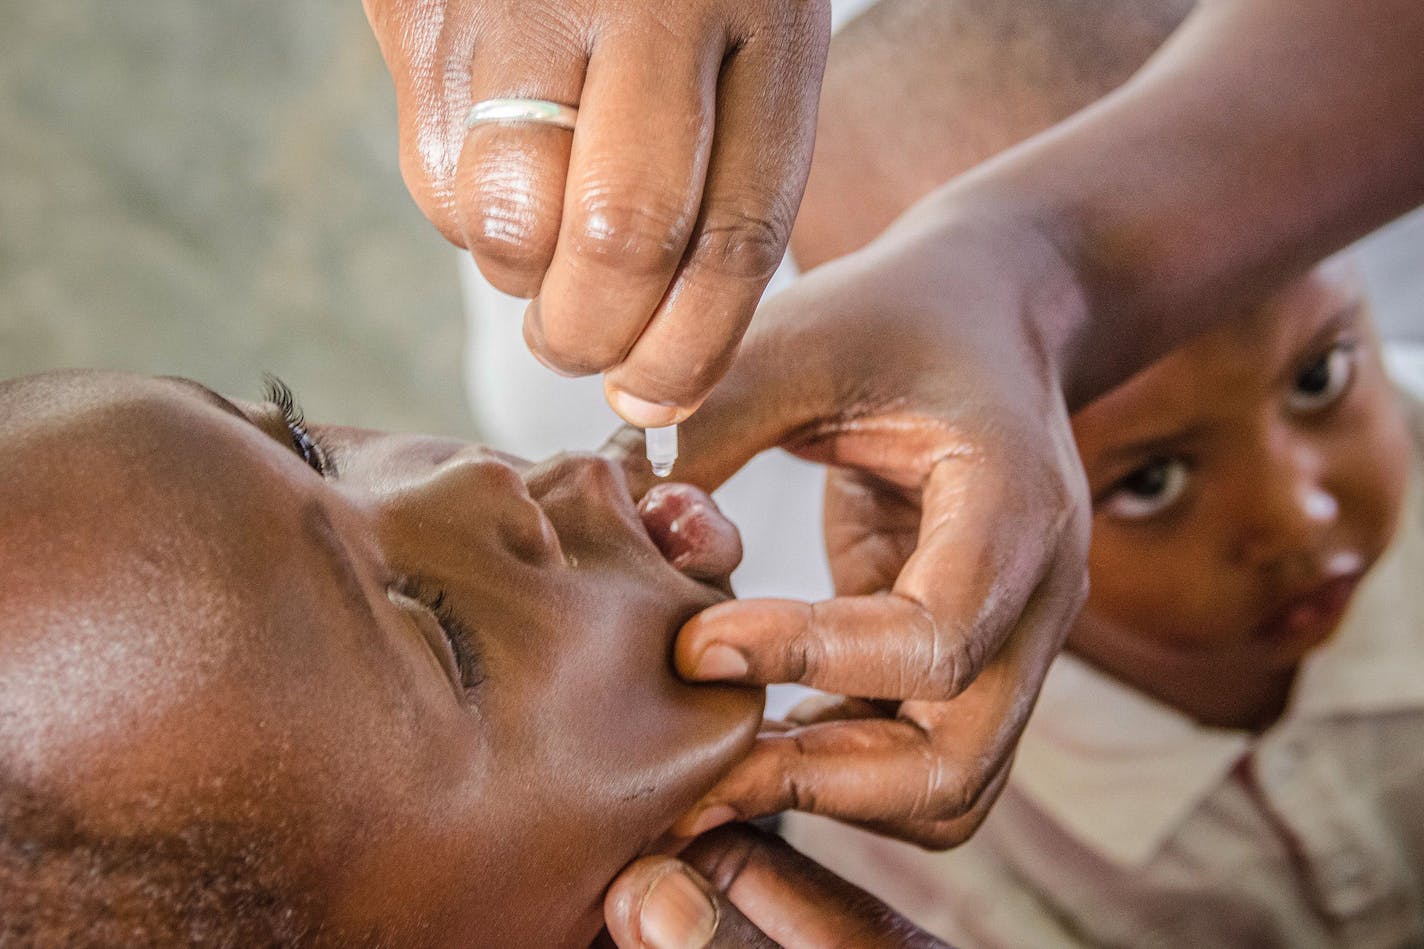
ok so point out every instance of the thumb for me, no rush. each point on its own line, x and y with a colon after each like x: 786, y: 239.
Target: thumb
x: 661, y: 903
x: 762, y: 893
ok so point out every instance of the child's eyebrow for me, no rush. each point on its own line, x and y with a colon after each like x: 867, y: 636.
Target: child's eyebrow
x: 315, y: 521
x: 1340, y: 317
x: 1152, y: 445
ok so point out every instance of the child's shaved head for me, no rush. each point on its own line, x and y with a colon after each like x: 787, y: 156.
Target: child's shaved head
x: 249, y: 697
x: 918, y: 91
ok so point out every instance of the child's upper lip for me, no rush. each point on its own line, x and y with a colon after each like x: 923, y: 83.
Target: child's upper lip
x: 1329, y: 590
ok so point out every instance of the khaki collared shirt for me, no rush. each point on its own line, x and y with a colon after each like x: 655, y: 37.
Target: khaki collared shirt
x: 1127, y: 824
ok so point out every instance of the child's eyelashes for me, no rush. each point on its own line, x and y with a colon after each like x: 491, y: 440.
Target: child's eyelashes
x: 304, y: 442
x: 1321, y: 382
x: 1148, y: 490
x: 463, y: 642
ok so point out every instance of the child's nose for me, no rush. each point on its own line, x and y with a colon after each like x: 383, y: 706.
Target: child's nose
x: 1290, y: 509
x: 441, y: 499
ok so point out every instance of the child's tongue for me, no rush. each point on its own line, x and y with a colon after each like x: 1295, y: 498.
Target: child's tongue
x: 691, y: 532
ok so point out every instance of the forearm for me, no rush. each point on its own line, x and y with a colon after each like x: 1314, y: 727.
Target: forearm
x: 1266, y: 135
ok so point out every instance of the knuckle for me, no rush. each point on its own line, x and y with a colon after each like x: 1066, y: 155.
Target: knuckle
x: 952, y: 799
x: 641, y: 238
x: 741, y: 244
x: 433, y: 194
x: 662, y: 380
x: 508, y: 223
x: 949, y: 793
x: 508, y: 239
x: 798, y: 793
x: 731, y: 852
x: 943, y: 835
x: 505, y: 255
x: 951, y: 659
x: 804, y: 657
x: 572, y: 349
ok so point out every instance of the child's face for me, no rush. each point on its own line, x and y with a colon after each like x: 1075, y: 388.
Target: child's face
x: 196, y: 624
x: 1241, y: 487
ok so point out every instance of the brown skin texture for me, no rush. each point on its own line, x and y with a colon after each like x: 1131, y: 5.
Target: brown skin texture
x: 647, y: 236
x: 953, y: 594
x: 1294, y: 457
x: 1286, y: 483
x: 937, y: 366
x: 196, y: 625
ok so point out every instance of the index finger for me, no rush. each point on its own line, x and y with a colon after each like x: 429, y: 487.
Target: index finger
x: 634, y: 184
x: 761, y: 154
x: 749, y: 412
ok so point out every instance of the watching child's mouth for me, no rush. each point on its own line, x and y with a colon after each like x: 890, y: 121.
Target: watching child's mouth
x: 1307, y: 618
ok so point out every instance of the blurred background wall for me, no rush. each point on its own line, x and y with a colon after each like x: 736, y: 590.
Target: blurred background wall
x: 211, y: 189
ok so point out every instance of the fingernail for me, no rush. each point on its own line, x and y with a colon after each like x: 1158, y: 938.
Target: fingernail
x: 712, y: 818
x: 720, y: 662
x: 641, y: 412
x: 677, y: 914
x: 697, y: 822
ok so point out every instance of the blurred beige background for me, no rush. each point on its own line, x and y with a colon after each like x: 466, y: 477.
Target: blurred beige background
x: 211, y: 189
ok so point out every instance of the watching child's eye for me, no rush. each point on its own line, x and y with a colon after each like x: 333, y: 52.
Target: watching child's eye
x: 304, y: 443
x: 1324, y: 379
x: 1148, y: 491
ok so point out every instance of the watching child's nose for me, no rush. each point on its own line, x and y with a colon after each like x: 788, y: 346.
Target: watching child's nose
x: 1292, y: 514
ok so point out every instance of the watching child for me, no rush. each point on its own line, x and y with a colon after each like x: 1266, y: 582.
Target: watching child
x: 1231, y: 753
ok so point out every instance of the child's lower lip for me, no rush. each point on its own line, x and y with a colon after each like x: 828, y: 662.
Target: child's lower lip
x: 687, y: 528
x: 1313, y: 616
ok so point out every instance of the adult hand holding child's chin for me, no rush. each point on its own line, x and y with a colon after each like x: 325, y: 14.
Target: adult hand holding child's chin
x: 956, y: 526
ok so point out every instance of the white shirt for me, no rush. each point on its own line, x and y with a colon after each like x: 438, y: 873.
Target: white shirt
x: 1125, y: 823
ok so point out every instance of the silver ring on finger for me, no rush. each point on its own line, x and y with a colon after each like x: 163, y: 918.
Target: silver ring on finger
x: 532, y: 111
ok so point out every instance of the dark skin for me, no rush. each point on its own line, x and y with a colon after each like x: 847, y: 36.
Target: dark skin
x: 241, y: 638
x: 938, y: 366
x: 647, y: 237
x: 1073, y: 261
x: 1243, y: 486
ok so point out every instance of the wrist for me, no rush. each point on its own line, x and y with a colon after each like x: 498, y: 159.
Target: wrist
x: 1025, y: 279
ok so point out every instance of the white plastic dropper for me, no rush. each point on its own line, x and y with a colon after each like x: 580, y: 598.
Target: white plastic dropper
x: 662, y: 448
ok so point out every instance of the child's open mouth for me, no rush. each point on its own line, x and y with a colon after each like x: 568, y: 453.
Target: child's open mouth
x: 691, y: 532
x: 1312, y: 616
